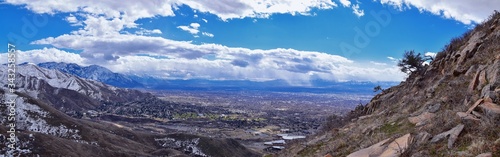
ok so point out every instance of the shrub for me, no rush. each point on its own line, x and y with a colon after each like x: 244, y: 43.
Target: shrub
x: 411, y: 62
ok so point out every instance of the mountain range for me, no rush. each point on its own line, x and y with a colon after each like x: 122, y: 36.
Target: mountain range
x: 98, y: 73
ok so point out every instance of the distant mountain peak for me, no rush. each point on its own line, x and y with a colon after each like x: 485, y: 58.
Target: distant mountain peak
x: 94, y: 72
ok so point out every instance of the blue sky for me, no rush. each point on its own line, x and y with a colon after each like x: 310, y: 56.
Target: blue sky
x: 294, y: 40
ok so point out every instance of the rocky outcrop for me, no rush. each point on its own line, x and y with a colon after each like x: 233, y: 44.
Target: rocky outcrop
x: 421, y: 119
x: 452, y: 135
x: 385, y: 148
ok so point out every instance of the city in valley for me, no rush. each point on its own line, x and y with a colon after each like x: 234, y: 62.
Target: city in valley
x: 261, y: 120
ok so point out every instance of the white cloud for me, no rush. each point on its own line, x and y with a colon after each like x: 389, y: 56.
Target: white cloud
x: 148, y: 32
x: 229, y: 9
x: 205, y: 20
x: 133, y: 10
x: 465, y: 11
x: 358, y: 12
x: 208, y: 34
x: 193, y: 28
x: 101, y: 41
x: 189, y: 29
x: 345, y: 3
x: 195, y: 25
x: 355, y: 7
x: 73, y: 20
x: 378, y: 63
x: 431, y: 54
x: 45, y: 55
x: 180, y: 59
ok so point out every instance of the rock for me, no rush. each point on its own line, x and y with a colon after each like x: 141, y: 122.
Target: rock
x: 490, y: 108
x: 466, y: 116
x: 485, y: 155
x: 328, y: 155
x: 471, y: 70
x: 365, y: 117
x: 491, y: 112
x: 477, y: 114
x: 474, y: 82
x: 488, y: 99
x: 397, y: 146
x: 422, y: 137
x: 493, y: 73
x: 487, y: 92
x: 422, y: 119
x: 373, y: 150
x: 458, y: 72
x: 482, y: 78
x: 433, y: 108
x: 384, y: 148
x: 452, y: 133
x: 474, y: 106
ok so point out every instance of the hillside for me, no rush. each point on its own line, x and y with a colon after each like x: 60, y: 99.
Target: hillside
x: 52, y: 111
x: 451, y: 108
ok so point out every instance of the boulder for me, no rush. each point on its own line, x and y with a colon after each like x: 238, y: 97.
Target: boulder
x: 373, y: 150
x: 433, y: 108
x: 384, y: 148
x: 422, y: 119
x: 452, y: 133
x: 395, y: 148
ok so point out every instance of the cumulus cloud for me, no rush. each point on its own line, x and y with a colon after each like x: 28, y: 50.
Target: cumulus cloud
x: 345, y: 3
x: 101, y: 41
x: 465, y: 11
x: 73, y: 20
x: 182, y: 59
x: 355, y: 7
x: 45, y: 55
x: 133, y: 10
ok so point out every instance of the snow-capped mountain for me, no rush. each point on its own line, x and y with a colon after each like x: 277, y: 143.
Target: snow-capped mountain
x: 93, y: 72
x: 65, y: 91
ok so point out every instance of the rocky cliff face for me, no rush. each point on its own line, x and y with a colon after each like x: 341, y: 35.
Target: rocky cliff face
x: 451, y: 108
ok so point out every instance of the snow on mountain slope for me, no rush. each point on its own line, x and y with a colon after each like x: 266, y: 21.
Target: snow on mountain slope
x: 93, y: 72
x: 28, y: 78
x: 31, y: 79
